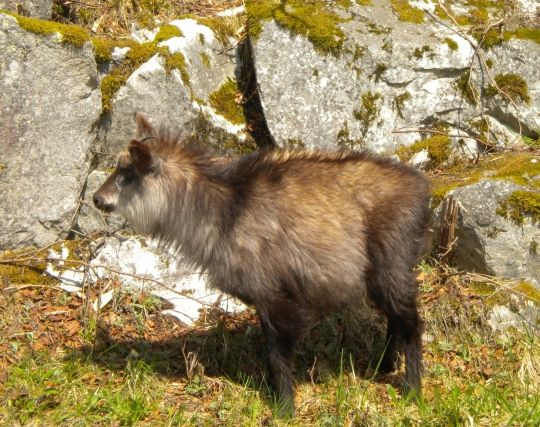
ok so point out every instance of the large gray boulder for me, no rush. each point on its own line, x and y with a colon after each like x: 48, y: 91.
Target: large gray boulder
x: 490, y: 242
x: 177, y: 98
x: 387, y: 75
x: 34, y: 8
x: 50, y: 102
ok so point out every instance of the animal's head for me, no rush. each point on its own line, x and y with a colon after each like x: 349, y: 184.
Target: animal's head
x: 134, y: 189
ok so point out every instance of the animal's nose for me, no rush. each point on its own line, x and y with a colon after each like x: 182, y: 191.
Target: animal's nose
x: 98, y: 201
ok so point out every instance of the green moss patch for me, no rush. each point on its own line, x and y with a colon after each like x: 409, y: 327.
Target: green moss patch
x: 513, y: 85
x: 369, y: 110
x: 380, y: 69
x: 176, y: 61
x: 521, y: 204
x: 452, y: 44
x: 205, y: 59
x: 437, y: 146
x: 492, y: 37
x: 344, y: 139
x: 224, y: 27
x: 406, y: 12
x: 167, y: 32
x: 28, y: 265
x: 519, y: 168
x: 525, y: 33
x: 399, y: 103
x: 314, y: 20
x: 104, y: 47
x: 465, y: 86
x: 72, y: 34
x: 419, y: 51
x: 223, y: 101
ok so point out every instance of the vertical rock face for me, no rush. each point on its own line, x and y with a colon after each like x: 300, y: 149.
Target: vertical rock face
x: 50, y: 101
x: 381, y: 75
x: 35, y: 8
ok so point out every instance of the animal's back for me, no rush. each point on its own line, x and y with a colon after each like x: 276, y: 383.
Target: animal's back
x: 308, y: 219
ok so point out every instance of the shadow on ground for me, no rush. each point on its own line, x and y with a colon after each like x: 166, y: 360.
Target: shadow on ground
x: 233, y: 347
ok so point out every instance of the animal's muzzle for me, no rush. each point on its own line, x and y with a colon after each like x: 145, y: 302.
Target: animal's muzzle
x: 100, y: 203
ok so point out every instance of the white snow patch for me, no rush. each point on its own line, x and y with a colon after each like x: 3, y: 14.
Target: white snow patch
x: 71, y: 279
x: 420, y: 159
x: 464, y: 47
x: 430, y: 7
x: 528, y: 7
x: 119, y: 53
x: 191, y: 30
x: 139, y: 263
x: 143, y: 35
x: 149, y: 67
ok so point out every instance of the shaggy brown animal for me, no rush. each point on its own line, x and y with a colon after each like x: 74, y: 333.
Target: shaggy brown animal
x: 292, y: 233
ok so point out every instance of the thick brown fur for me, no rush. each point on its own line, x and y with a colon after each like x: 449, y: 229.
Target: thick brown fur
x: 292, y: 233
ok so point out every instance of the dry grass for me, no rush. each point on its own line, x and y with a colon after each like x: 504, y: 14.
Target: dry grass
x: 114, y: 18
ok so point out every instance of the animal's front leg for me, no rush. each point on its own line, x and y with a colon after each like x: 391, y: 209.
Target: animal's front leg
x: 282, y: 331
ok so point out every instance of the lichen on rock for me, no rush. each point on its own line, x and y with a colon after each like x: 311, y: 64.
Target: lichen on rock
x: 437, y: 146
x: 314, y: 20
x: 72, y: 34
x: 406, y: 12
x: 224, y: 102
x: 368, y: 111
x: 519, y: 205
x: 512, y: 85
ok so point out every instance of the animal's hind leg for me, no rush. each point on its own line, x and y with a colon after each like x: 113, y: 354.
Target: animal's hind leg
x: 397, y: 299
x: 392, y: 348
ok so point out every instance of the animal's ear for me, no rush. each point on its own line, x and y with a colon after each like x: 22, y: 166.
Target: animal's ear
x: 144, y: 128
x: 142, y: 156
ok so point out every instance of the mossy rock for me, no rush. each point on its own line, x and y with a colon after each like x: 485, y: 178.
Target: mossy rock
x: 167, y: 32
x: 437, y: 146
x: 223, y: 101
x: 451, y: 43
x: 524, y: 33
x: 520, y: 205
x: 518, y: 167
x: 398, y: 104
x: 513, y: 85
x: 406, y: 12
x: 313, y: 20
x: 502, y: 293
x: 29, y: 265
x: 368, y: 111
x: 466, y: 87
x: 71, y: 34
x: 135, y: 57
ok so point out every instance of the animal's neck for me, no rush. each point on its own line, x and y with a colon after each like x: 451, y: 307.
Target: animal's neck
x: 195, y: 219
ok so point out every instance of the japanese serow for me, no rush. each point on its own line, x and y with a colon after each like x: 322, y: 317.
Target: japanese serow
x: 293, y: 233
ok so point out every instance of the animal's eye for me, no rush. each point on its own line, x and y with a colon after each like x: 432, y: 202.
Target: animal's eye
x: 126, y: 173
